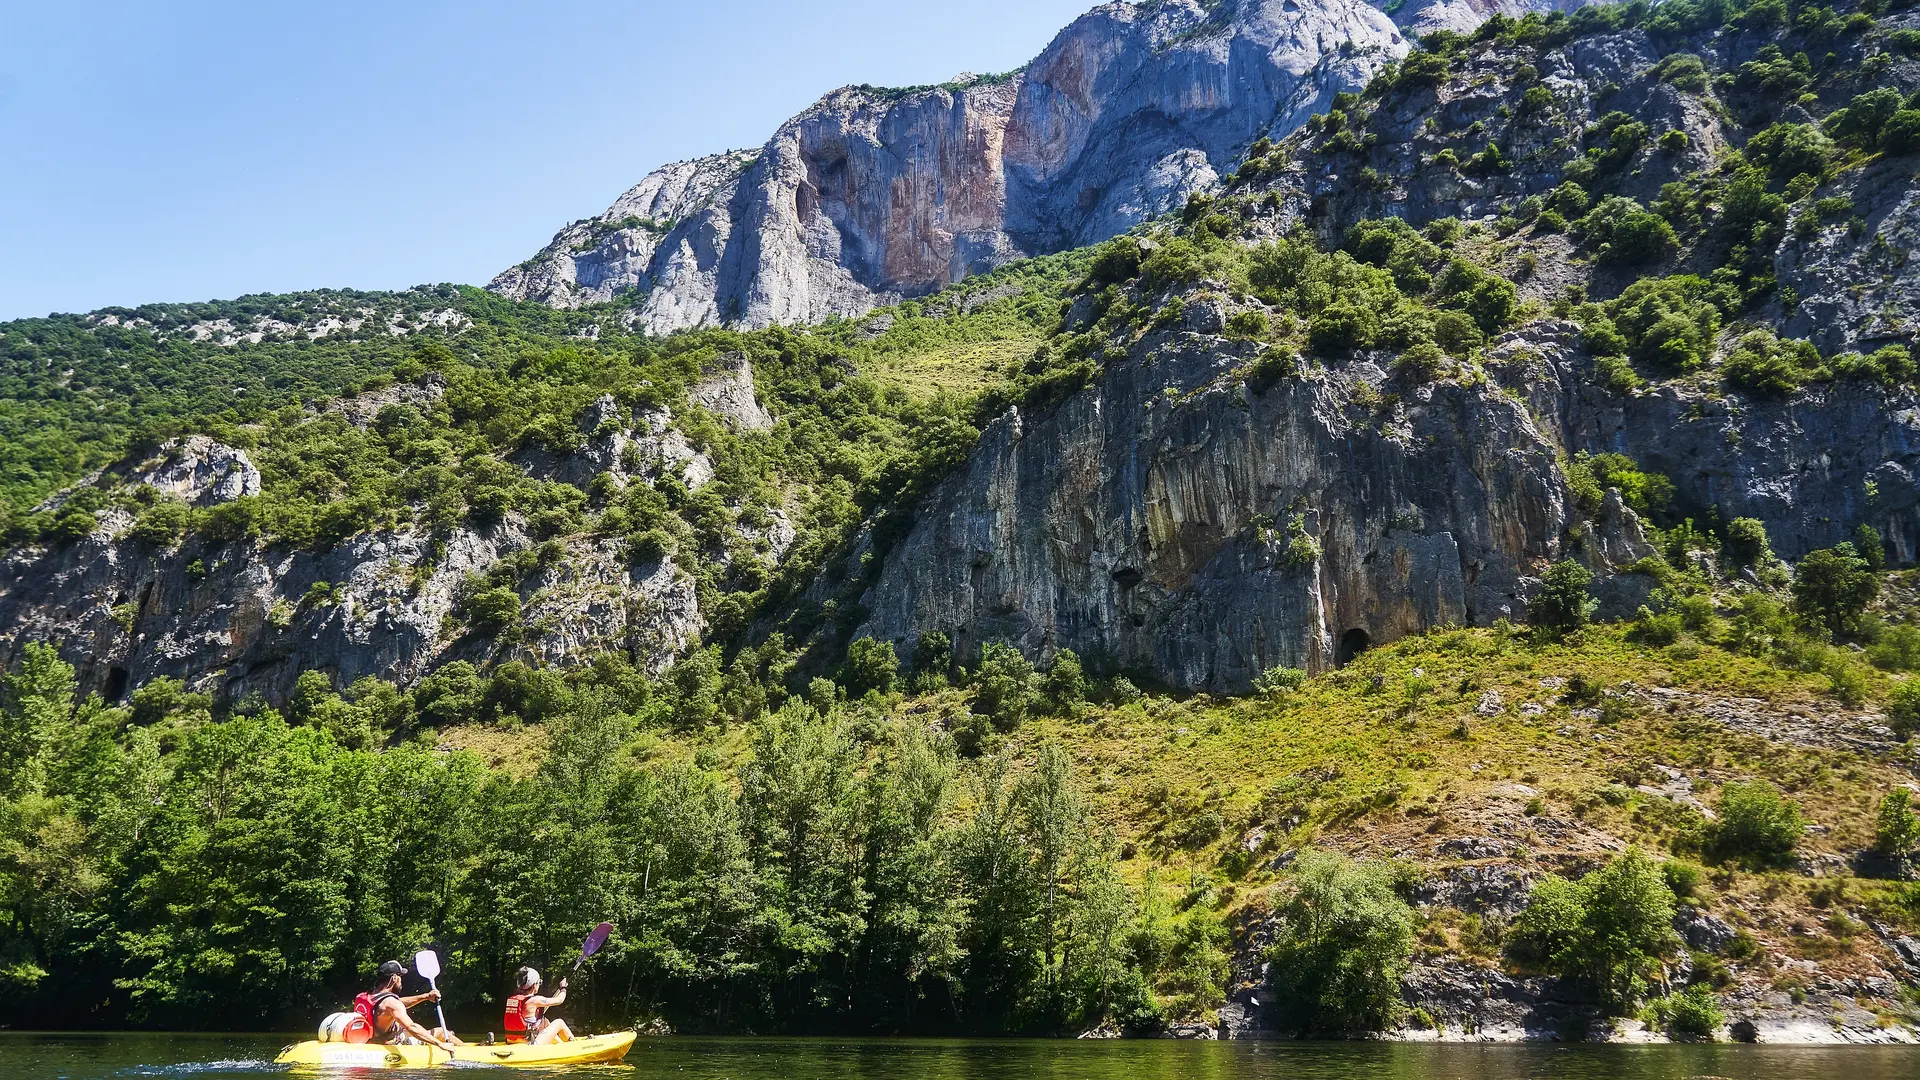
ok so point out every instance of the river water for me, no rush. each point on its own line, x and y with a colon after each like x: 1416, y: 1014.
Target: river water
x: 27, y: 1056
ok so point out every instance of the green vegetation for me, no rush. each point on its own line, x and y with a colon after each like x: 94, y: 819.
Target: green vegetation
x: 1609, y: 929
x: 1347, y: 939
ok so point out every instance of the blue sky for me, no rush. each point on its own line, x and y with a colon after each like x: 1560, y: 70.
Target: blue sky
x: 192, y: 150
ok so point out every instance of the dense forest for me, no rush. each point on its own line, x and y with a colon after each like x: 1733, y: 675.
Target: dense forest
x: 795, y: 830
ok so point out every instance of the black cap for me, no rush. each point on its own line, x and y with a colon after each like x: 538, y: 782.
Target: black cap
x: 389, y: 969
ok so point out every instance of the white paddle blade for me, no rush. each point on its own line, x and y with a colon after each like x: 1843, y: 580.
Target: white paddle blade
x: 426, y: 965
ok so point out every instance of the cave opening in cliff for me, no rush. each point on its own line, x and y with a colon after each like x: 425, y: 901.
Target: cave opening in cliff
x: 116, y: 687
x: 1352, y: 644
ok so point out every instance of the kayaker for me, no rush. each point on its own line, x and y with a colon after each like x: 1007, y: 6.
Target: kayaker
x: 391, y: 1024
x: 525, y: 1022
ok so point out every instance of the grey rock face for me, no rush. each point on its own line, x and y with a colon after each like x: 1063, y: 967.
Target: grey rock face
x: 871, y: 196
x: 727, y: 393
x: 1170, y: 518
x: 1173, y: 519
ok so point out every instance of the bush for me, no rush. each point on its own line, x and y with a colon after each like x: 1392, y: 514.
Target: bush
x: 1684, y: 70
x: 1278, y: 681
x: 1345, y: 940
x: 1903, y: 709
x: 1758, y: 825
x: 1624, y: 233
x: 1864, y: 117
x: 1901, y: 134
x: 1004, y: 691
x: 1747, y: 541
x: 1896, y: 832
x: 162, y: 524
x: 1251, y: 323
x: 1607, y: 930
x: 490, y: 610
x: 871, y: 665
x: 1832, y: 588
x: 1065, y: 685
x: 1693, y: 1012
x: 1668, y: 323
x: 1765, y: 365
x: 1563, y: 602
x: 1789, y: 150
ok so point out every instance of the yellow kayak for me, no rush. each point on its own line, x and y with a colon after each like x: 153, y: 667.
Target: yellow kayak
x: 376, y: 1056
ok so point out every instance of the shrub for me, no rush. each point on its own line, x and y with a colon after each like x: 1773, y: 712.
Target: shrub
x: 871, y: 665
x: 490, y: 610
x: 1486, y: 298
x: 1693, y: 1012
x: 1563, y: 602
x: 1758, y: 825
x: 1623, y: 232
x: 1278, y: 681
x: 1864, y: 117
x: 1673, y: 140
x: 1643, y: 492
x: 1606, y: 930
x: 1668, y: 323
x: 1832, y: 588
x: 1569, y: 200
x: 1889, y: 365
x: 1767, y: 366
x: 1004, y: 692
x: 1901, y: 133
x: 1903, y: 709
x: 1787, y: 150
x: 1065, y: 685
x: 1683, y: 70
x: 162, y: 524
x: 1747, y: 541
x: 1896, y: 831
x: 1251, y: 323
x: 1345, y: 941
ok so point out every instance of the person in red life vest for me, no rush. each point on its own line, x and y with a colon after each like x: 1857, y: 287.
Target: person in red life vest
x: 388, y: 1009
x: 524, y: 1020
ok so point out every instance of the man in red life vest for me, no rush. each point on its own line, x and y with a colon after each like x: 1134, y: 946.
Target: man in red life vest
x: 391, y: 1024
x: 524, y: 1022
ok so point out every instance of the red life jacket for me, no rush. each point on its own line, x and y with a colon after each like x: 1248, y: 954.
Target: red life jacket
x: 368, y: 1006
x: 515, y: 1022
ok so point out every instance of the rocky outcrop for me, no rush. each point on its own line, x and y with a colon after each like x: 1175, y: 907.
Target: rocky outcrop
x: 874, y: 195
x: 1175, y: 519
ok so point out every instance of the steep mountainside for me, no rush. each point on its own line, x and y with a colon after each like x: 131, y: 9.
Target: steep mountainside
x: 1146, y: 520
x: 873, y: 194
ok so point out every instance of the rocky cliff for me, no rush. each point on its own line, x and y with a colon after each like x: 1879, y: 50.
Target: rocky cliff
x: 873, y: 195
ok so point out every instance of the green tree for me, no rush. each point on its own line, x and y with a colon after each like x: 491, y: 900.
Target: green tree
x: 871, y: 665
x: 1896, y: 832
x: 36, y: 702
x: 1563, y: 602
x: 1608, y: 930
x: 1004, y: 689
x: 1345, y: 940
x: 1832, y: 588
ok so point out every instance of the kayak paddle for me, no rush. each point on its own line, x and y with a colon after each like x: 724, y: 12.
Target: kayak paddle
x: 592, y: 944
x: 427, y: 965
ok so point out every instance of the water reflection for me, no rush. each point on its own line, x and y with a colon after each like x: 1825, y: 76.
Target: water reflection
x: 26, y: 1056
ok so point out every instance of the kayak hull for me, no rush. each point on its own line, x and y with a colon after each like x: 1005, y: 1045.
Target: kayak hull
x: 374, y: 1056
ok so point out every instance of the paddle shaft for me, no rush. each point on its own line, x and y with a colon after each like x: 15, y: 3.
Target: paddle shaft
x: 434, y: 985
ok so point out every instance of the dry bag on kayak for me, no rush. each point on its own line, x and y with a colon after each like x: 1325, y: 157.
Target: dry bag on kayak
x: 345, y: 1027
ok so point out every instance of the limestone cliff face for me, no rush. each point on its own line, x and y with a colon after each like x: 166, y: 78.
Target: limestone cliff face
x: 872, y: 195
x: 235, y: 618
x: 1175, y: 519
